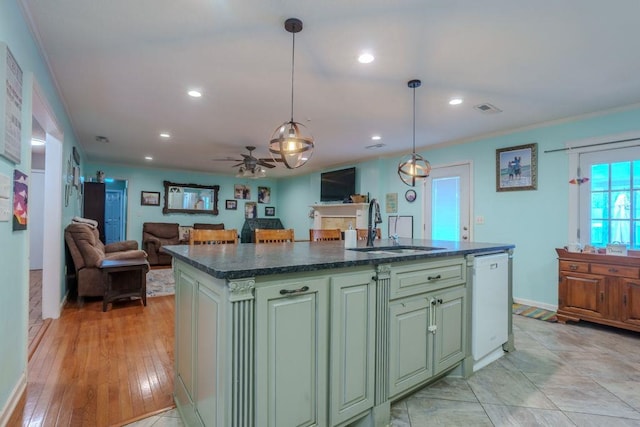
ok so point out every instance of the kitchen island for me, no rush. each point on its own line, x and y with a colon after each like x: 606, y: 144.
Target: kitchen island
x: 306, y: 333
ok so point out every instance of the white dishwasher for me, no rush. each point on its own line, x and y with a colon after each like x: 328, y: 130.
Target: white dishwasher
x: 490, y: 308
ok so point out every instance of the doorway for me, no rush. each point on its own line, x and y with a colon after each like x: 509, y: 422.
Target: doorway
x: 52, y: 257
x: 115, y: 211
x: 447, y: 203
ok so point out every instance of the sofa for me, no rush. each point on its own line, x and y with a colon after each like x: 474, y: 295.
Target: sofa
x: 155, y: 235
x: 87, y: 253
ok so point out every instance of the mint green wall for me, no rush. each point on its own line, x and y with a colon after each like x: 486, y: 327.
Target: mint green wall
x: 535, y: 221
x: 14, y: 248
x: 150, y: 179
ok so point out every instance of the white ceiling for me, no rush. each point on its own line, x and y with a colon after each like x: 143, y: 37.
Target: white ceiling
x: 123, y: 69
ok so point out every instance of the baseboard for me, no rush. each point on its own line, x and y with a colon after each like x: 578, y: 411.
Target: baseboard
x: 14, y: 398
x: 63, y: 302
x: 550, y: 307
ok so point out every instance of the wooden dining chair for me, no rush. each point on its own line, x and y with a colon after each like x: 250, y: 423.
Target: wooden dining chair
x: 213, y: 237
x: 317, y: 235
x: 273, y: 236
x: 362, y: 233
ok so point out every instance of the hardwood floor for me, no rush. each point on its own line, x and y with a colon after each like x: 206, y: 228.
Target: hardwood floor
x: 101, y: 369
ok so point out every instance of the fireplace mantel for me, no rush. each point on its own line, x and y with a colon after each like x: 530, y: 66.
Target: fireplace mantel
x: 340, y: 215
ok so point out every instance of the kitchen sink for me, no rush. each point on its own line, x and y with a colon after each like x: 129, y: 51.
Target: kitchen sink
x: 395, y: 250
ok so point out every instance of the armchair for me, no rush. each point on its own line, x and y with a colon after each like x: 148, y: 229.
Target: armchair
x: 88, y: 253
x: 157, y: 234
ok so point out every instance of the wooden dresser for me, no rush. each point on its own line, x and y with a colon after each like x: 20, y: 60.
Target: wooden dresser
x: 599, y: 288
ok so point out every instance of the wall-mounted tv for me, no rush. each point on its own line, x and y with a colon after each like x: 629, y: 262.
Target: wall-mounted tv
x: 338, y: 185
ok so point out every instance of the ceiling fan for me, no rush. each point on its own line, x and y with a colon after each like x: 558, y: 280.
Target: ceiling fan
x: 250, y: 165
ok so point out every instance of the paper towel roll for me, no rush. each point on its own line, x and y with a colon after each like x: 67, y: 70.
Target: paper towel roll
x: 350, y: 239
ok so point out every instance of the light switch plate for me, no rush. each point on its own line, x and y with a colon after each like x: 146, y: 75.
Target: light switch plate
x: 5, y: 210
x: 5, y: 187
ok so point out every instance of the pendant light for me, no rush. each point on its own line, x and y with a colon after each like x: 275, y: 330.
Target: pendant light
x: 288, y: 143
x: 414, y: 166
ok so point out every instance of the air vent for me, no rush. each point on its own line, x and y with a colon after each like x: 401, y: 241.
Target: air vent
x: 102, y: 139
x: 487, y: 108
x: 374, y: 146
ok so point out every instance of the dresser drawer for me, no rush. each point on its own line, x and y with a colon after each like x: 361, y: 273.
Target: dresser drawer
x: 616, y: 270
x: 575, y: 266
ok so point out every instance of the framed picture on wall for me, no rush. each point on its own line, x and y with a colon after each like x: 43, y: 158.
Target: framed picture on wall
x: 517, y: 168
x: 264, y: 195
x: 251, y: 210
x: 241, y: 191
x: 231, y: 205
x: 269, y: 211
x: 150, y: 198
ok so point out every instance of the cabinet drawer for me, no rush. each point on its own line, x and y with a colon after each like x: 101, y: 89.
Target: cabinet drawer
x: 615, y: 270
x: 575, y: 266
x: 424, y: 277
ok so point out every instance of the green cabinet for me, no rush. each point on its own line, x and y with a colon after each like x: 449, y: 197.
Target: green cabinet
x: 450, y: 334
x: 427, y: 333
x: 352, y: 345
x: 291, y: 356
x: 410, y: 344
x: 186, y: 288
x: 199, y: 374
x: 315, y: 349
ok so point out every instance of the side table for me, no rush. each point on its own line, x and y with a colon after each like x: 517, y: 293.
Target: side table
x: 137, y: 287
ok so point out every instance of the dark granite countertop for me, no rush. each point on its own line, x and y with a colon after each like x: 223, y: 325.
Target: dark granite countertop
x: 251, y: 260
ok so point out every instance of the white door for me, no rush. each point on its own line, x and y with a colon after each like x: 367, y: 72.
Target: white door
x: 447, y: 203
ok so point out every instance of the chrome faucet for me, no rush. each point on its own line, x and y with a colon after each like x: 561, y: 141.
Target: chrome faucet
x: 374, y: 219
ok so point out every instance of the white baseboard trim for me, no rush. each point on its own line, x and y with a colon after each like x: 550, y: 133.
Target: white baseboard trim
x: 63, y: 302
x: 14, y: 398
x: 550, y: 307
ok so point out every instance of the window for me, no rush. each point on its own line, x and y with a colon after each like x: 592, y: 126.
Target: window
x: 610, y: 201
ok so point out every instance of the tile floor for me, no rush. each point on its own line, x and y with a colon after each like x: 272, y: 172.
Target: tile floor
x: 560, y: 375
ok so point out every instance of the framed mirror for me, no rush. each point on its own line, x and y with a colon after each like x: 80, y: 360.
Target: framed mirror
x: 190, y: 198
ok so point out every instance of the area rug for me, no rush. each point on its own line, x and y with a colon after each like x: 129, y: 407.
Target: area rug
x: 534, y: 312
x: 160, y: 282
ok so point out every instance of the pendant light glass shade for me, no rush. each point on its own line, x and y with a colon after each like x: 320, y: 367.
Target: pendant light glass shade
x: 414, y: 166
x: 290, y: 143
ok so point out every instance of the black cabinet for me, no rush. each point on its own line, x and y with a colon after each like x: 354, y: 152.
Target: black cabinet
x: 93, y: 204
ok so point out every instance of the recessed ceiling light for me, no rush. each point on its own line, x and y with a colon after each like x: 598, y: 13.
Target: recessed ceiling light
x: 148, y: 158
x: 455, y: 101
x: 37, y: 141
x: 165, y: 135
x: 365, y: 58
x: 194, y: 93
x: 376, y: 137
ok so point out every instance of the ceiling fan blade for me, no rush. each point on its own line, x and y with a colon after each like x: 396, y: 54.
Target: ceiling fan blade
x: 227, y: 159
x: 265, y: 164
x: 239, y: 164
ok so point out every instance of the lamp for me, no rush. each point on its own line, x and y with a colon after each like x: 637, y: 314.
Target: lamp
x: 252, y: 173
x: 414, y: 166
x: 288, y: 142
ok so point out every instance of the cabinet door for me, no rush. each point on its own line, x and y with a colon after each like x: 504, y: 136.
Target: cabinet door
x: 209, y: 372
x: 583, y: 294
x: 410, y: 343
x: 450, y: 337
x: 630, y: 312
x: 352, y: 362
x: 185, y: 298
x: 185, y: 393
x: 291, y: 353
